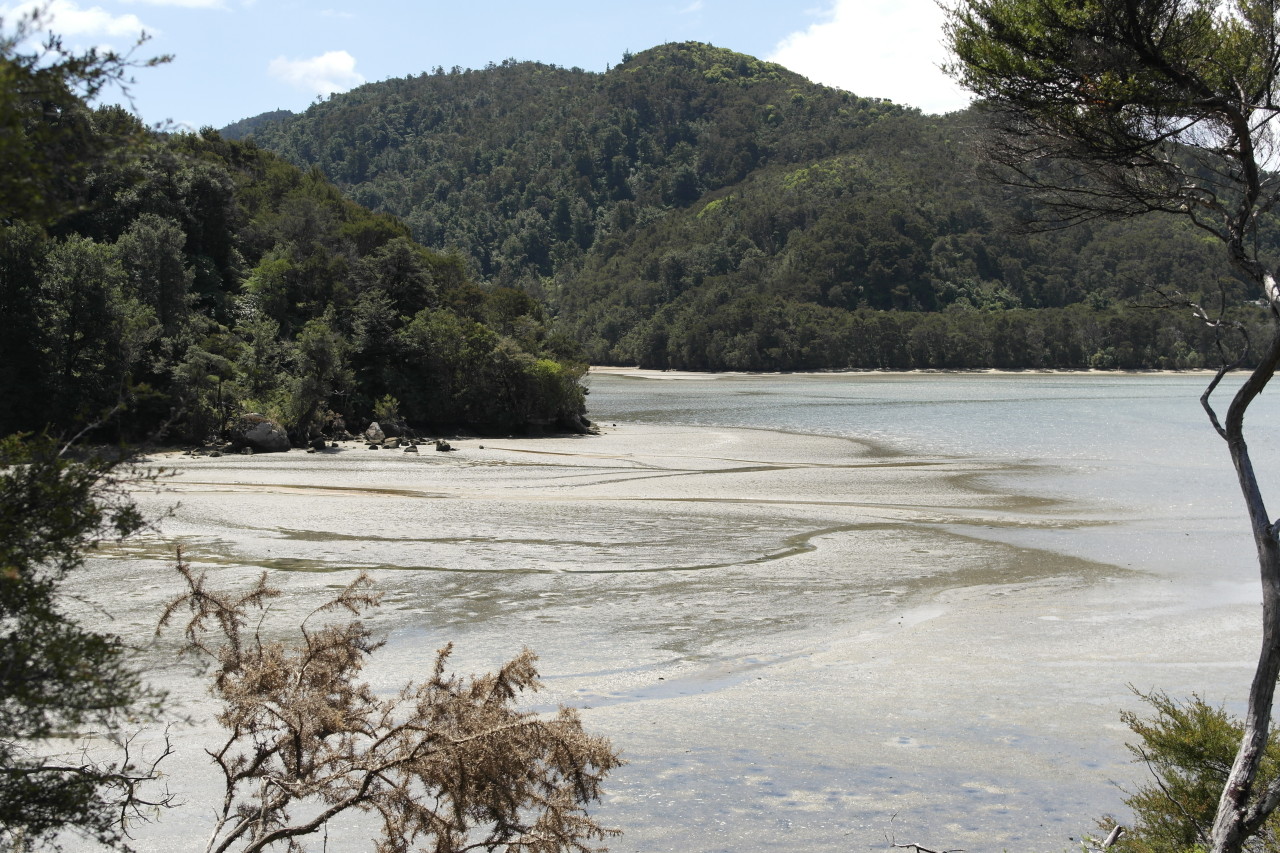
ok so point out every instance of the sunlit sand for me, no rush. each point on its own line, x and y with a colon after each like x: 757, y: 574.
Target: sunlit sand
x: 798, y: 642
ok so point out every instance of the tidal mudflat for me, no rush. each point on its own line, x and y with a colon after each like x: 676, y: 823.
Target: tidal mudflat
x: 799, y: 642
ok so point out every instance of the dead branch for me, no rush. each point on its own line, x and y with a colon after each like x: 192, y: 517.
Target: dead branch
x: 303, y: 730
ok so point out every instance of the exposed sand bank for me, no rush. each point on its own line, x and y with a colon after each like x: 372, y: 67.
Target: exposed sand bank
x: 651, y: 373
x: 799, y: 642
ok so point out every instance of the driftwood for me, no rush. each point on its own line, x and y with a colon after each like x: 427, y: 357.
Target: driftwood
x: 922, y: 849
x: 1116, y: 832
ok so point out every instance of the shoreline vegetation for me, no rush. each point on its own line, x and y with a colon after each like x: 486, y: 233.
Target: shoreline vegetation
x: 233, y: 283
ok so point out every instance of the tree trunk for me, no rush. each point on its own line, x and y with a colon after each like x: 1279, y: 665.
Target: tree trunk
x: 1239, y: 815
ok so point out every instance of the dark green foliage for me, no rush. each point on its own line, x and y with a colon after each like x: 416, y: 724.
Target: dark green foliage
x: 58, y: 679
x: 1189, y: 748
x: 470, y: 374
x: 791, y: 252
x: 48, y: 138
x: 200, y: 277
x: 697, y: 208
x: 524, y: 167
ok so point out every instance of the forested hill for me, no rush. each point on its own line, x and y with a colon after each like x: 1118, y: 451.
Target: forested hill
x: 694, y: 207
x: 182, y: 281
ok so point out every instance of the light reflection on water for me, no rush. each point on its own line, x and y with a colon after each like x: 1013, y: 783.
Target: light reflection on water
x: 1136, y: 445
x: 1155, y: 418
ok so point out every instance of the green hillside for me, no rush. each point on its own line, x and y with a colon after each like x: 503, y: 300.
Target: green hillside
x: 697, y: 208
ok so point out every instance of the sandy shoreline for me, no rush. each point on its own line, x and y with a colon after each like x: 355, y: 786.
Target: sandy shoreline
x: 650, y: 373
x: 798, y: 643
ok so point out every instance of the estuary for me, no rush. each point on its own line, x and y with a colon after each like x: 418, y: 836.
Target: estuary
x: 815, y: 612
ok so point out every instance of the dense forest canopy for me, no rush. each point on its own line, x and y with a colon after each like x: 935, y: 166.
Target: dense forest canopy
x: 183, y: 280
x: 697, y: 208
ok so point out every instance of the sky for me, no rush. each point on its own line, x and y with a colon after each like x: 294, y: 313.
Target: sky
x: 233, y: 59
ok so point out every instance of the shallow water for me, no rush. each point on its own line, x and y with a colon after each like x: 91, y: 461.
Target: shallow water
x: 1131, y: 447
x: 815, y: 612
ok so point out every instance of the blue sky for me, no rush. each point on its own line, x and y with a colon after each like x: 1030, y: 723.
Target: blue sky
x: 238, y: 58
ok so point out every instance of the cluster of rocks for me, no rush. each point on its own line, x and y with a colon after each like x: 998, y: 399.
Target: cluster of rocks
x: 254, y: 433
x: 377, y: 438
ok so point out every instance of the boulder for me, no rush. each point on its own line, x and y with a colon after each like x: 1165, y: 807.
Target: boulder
x: 578, y: 424
x: 319, y: 443
x: 375, y: 434
x: 259, y: 434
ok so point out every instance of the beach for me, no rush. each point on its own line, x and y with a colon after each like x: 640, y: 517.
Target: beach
x: 799, y: 642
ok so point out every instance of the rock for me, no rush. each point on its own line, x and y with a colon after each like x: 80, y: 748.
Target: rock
x: 259, y: 434
x: 246, y: 451
x: 391, y: 443
x: 374, y: 433
x: 333, y: 444
x: 215, y: 453
x: 411, y: 449
x: 319, y: 443
x: 443, y: 445
x: 578, y: 424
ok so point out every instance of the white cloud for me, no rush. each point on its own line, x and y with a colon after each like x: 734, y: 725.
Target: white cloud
x: 67, y: 19
x: 331, y: 72
x: 880, y: 49
x: 185, y: 4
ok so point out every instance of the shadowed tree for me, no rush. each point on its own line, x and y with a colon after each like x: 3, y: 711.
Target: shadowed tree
x: 47, y: 138
x: 57, y: 676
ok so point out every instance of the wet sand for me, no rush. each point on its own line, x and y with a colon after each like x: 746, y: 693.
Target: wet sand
x: 798, y: 642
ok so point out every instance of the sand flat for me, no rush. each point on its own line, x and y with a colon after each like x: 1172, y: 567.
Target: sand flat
x: 799, y: 642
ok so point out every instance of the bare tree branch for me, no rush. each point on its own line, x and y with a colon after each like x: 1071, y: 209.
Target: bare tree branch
x: 449, y: 763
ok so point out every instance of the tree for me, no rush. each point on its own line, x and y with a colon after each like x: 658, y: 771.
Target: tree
x: 451, y: 764
x: 57, y: 678
x: 47, y: 141
x: 95, y: 334
x: 56, y: 675
x: 1188, y: 747
x: 1118, y: 108
x: 320, y: 373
